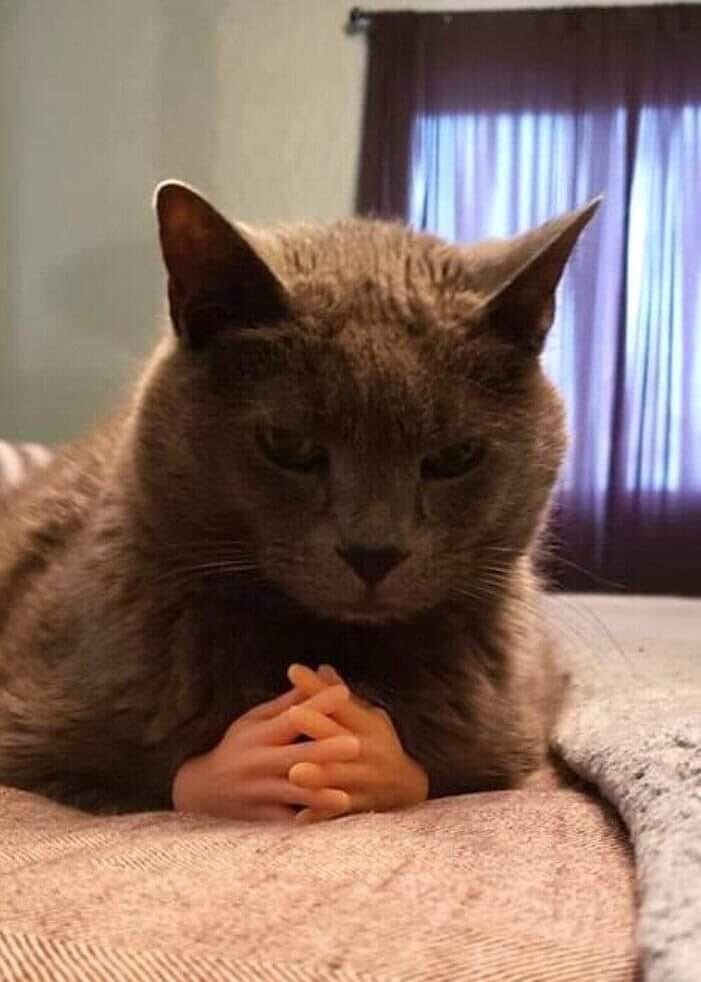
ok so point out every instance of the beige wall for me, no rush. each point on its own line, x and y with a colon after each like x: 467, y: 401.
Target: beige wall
x: 257, y: 102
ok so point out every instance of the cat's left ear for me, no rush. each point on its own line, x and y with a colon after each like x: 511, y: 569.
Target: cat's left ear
x: 216, y: 279
x: 520, y: 298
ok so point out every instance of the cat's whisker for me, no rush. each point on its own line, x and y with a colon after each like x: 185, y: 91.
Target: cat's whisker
x: 567, y: 632
x: 570, y: 631
x: 484, y: 589
x: 592, y: 620
x: 557, y: 560
x: 499, y: 549
x: 202, y: 546
x: 188, y: 558
x: 203, y: 559
x: 472, y: 594
x: 188, y: 583
x: 191, y: 573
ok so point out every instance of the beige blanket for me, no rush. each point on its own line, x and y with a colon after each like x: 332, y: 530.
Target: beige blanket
x: 522, y: 886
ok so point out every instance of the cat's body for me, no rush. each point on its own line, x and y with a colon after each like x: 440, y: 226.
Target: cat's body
x: 159, y: 577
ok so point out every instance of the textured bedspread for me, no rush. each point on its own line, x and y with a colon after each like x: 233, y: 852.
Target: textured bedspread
x: 634, y: 728
x: 526, y: 886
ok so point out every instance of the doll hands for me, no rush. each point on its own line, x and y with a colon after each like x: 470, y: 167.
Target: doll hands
x: 380, y: 777
x: 246, y: 775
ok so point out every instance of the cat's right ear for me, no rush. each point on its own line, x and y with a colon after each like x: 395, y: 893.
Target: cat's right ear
x: 519, y: 276
x: 216, y: 279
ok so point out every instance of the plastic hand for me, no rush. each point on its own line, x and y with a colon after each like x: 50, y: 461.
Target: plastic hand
x: 245, y: 775
x: 380, y: 777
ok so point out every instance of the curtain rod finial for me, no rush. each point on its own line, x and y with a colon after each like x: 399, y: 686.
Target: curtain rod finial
x: 358, y: 20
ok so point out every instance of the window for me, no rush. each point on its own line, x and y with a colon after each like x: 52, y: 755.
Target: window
x: 484, y: 175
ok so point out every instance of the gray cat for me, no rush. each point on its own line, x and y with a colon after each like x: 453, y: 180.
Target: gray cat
x: 343, y: 452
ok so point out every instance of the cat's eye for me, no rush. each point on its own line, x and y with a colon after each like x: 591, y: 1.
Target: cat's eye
x: 453, y: 461
x: 291, y: 451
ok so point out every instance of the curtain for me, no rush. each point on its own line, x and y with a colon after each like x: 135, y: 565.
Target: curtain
x: 485, y: 124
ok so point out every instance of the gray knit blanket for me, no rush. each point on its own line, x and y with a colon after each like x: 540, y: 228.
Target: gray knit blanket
x: 633, y: 727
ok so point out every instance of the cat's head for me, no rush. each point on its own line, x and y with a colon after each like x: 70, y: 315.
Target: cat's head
x: 355, y: 414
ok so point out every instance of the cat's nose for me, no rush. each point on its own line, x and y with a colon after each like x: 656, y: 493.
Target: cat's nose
x: 372, y: 564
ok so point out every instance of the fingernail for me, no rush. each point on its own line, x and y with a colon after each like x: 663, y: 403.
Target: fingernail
x: 331, y: 670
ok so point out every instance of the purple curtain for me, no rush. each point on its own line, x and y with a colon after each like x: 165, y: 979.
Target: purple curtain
x: 484, y: 124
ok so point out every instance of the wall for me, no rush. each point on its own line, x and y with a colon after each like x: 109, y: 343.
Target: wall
x: 257, y: 102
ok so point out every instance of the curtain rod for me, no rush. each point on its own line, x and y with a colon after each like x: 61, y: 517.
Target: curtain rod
x: 359, y: 18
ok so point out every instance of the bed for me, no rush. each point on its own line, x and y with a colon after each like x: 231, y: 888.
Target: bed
x: 592, y: 871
